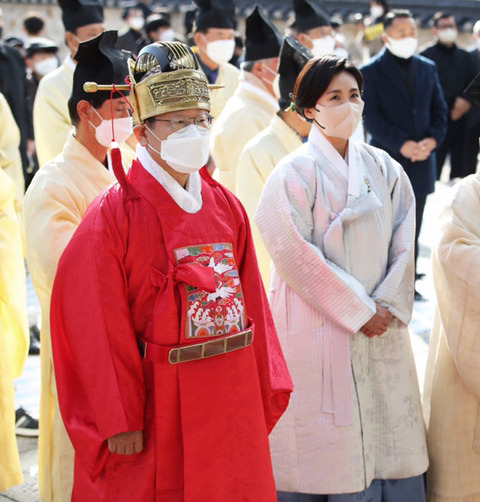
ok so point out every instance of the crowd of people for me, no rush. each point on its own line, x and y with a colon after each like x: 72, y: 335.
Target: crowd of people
x: 222, y: 232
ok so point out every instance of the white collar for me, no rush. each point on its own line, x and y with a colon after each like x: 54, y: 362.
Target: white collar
x: 347, y: 166
x: 188, y: 198
x: 255, y: 89
x: 69, y: 63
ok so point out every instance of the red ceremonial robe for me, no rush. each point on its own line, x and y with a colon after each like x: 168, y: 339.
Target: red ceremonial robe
x: 140, y: 267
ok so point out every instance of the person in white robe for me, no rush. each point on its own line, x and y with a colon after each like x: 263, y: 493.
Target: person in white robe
x: 253, y: 105
x: 337, y: 218
x: 452, y: 387
x: 285, y: 133
x: 83, y: 20
x: 55, y: 203
x: 214, y: 46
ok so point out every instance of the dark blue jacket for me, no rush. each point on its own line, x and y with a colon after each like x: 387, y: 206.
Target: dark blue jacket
x: 392, y: 116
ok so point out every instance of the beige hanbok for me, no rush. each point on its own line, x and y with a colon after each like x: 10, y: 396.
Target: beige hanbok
x: 257, y: 160
x: 228, y: 78
x: 13, y: 330
x: 452, y: 383
x: 51, y: 120
x: 55, y: 203
x: 246, y: 113
x: 340, y: 234
x: 10, y: 160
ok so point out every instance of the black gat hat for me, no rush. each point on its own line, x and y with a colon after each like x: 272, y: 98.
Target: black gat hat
x: 262, y: 38
x: 78, y: 13
x: 101, y: 62
x: 215, y: 14
x: 293, y: 57
x: 309, y: 14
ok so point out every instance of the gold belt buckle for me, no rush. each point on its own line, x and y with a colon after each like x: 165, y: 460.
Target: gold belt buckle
x: 211, y: 348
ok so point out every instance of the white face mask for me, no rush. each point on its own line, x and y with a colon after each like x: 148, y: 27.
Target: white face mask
x: 376, y: 11
x: 186, y: 150
x: 136, y: 23
x: 322, y: 46
x: 404, y: 48
x: 220, y: 51
x: 41, y: 68
x: 167, y: 35
x: 447, y: 35
x: 104, y: 133
x: 339, y: 121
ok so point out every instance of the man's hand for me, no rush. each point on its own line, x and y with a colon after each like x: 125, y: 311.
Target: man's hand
x: 460, y: 108
x: 126, y: 443
x: 410, y: 150
x: 378, y: 324
x: 426, y: 147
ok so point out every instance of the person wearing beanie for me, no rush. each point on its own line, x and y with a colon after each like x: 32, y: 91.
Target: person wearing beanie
x: 40, y: 58
x: 83, y: 20
x: 168, y: 367
x: 254, y: 103
x: 214, y: 39
x: 159, y: 29
x: 285, y: 133
x: 55, y: 203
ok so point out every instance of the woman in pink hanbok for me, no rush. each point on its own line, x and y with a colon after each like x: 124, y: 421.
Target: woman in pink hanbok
x: 337, y: 218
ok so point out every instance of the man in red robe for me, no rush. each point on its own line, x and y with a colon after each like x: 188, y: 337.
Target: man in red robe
x: 169, y: 371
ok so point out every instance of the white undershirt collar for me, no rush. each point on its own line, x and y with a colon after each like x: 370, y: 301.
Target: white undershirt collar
x: 247, y: 86
x: 188, y: 198
x: 347, y: 166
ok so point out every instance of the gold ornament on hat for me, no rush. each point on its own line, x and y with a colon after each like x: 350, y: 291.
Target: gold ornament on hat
x: 155, y: 91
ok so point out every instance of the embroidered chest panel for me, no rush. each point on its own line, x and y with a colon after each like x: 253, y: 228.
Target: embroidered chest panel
x: 223, y: 311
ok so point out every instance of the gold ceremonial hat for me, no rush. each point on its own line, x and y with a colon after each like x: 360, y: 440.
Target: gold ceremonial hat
x: 166, y: 78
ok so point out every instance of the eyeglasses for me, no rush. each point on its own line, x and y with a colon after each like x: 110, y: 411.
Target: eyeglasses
x: 203, y: 121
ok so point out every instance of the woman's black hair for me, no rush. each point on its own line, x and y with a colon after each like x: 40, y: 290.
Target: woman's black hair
x: 315, y: 78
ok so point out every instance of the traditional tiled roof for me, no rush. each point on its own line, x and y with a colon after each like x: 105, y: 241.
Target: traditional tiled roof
x: 466, y: 12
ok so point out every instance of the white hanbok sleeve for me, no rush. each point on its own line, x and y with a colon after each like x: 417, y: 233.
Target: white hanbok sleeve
x: 396, y: 291
x: 285, y: 220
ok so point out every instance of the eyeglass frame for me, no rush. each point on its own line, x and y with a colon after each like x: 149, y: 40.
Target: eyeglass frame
x: 189, y: 121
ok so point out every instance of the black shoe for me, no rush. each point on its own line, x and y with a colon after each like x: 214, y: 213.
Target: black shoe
x: 419, y: 297
x: 25, y: 425
x: 34, y: 348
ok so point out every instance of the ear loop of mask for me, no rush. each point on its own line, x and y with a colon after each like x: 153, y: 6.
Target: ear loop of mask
x: 114, y: 89
x: 271, y: 71
x: 315, y: 120
x: 149, y: 145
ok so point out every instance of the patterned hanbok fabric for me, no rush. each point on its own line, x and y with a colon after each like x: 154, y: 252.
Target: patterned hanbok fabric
x: 340, y: 234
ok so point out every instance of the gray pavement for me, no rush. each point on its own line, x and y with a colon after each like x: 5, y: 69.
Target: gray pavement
x: 28, y: 386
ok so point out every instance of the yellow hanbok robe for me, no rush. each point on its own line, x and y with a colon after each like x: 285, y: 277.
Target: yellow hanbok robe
x: 452, y: 384
x: 13, y: 330
x: 51, y: 120
x: 246, y: 114
x: 257, y: 160
x: 10, y: 160
x: 228, y: 77
x: 55, y: 203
